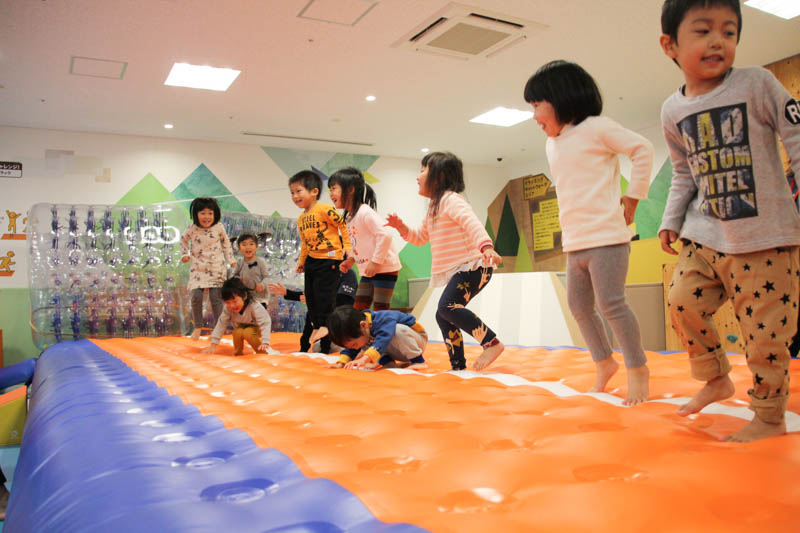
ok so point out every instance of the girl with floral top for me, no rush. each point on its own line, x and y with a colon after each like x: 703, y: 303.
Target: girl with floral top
x: 206, y: 244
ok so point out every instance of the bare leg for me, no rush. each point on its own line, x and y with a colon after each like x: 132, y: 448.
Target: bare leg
x: 606, y: 368
x: 488, y: 356
x: 196, y: 334
x: 638, y: 385
x: 757, y: 429
x: 719, y: 388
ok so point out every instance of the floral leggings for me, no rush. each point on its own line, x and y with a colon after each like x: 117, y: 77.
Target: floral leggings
x: 453, y: 316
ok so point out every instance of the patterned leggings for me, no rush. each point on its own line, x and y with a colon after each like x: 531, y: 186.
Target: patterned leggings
x: 379, y: 288
x: 453, y: 316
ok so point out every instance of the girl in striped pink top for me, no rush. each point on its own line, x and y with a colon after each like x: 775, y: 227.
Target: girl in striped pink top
x: 462, y: 252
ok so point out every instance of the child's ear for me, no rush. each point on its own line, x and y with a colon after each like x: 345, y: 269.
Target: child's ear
x: 364, y: 326
x: 668, y: 45
x: 316, y: 194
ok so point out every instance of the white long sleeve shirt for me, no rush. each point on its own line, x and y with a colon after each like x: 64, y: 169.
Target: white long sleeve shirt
x: 372, y: 241
x: 584, y: 163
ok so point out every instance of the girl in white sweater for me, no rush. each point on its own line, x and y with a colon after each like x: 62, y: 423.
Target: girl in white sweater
x: 583, y: 152
x: 373, y: 249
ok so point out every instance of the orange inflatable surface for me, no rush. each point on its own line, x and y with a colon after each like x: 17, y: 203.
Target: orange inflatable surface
x: 513, y: 449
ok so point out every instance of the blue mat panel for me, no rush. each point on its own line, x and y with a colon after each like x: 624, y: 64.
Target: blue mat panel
x: 105, y: 449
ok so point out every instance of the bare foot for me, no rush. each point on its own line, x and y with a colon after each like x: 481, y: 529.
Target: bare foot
x: 638, y: 385
x: 719, y: 388
x: 418, y: 366
x: 318, y: 334
x: 196, y: 334
x: 757, y: 429
x: 606, y: 369
x: 488, y: 356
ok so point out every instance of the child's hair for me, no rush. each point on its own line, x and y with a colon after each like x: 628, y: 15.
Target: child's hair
x: 246, y: 237
x: 445, y: 173
x: 204, y: 202
x: 309, y: 179
x: 571, y: 91
x: 674, y: 11
x: 234, y: 287
x: 344, y: 324
x: 355, y: 191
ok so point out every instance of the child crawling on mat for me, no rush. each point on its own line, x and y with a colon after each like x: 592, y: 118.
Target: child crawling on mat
x: 372, y: 340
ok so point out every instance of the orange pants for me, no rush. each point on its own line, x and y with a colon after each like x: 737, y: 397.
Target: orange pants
x: 763, y: 287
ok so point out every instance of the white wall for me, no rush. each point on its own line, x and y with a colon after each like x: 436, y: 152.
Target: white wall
x: 245, y: 169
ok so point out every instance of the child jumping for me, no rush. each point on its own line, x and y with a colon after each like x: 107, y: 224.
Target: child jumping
x: 324, y: 240
x: 373, y: 249
x: 250, y: 320
x: 377, y: 339
x: 583, y: 152
x: 462, y: 252
x: 731, y: 205
x: 251, y: 269
x: 206, y: 244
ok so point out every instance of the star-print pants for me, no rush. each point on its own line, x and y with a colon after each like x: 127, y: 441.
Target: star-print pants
x: 763, y: 287
x: 453, y: 316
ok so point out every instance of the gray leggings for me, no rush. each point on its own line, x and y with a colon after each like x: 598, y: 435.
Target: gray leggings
x: 599, y: 273
x: 214, y: 296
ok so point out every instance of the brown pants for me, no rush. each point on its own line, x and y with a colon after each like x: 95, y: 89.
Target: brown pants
x: 246, y: 332
x: 763, y: 287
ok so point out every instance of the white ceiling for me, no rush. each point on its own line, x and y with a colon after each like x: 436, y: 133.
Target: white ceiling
x: 308, y: 78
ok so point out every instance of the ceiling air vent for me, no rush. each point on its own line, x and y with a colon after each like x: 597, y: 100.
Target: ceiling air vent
x: 465, y: 32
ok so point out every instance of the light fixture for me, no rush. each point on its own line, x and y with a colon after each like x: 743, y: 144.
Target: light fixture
x: 370, y: 98
x: 502, y: 116
x: 425, y: 150
x: 201, y: 77
x: 168, y: 126
x: 785, y: 9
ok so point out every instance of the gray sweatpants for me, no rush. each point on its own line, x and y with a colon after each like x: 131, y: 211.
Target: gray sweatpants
x: 599, y: 274
x: 406, y: 344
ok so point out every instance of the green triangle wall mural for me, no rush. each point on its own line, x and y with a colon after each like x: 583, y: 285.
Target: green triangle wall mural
x: 369, y: 178
x: 276, y: 214
x: 507, y: 241
x: 203, y: 182
x: 340, y: 160
x: 400, y: 295
x: 649, y: 211
x: 417, y: 259
x: 489, y: 229
x: 623, y: 185
x: 523, y: 262
x: 293, y: 161
x: 147, y: 191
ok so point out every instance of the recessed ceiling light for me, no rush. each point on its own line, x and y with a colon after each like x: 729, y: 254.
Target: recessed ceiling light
x: 370, y: 98
x: 425, y: 150
x: 502, y: 116
x: 168, y: 126
x: 785, y: 9
x: 201, y: 77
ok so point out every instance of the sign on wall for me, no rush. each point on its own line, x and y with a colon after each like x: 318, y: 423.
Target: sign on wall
x: 9, y: 169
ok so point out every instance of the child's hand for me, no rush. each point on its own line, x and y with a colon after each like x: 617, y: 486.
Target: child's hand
x: 396, y: 222
x: 259, y: 287
x: 490, y: 257
x: 629, y: 208
x: 277, y: 288
x: 347, y: 264
x: 233, y: 265
x: 211, y: 348
x: 185, y: 259
x: 667, y: 237
x: 300, y: 269
x: 362, y: 364
x: 337, y: 364
x: 370, y: 269
x: 262, y: 348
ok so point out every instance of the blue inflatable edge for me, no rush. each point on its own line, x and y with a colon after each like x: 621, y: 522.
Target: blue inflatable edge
x: 106, y: 449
